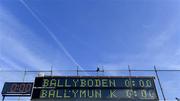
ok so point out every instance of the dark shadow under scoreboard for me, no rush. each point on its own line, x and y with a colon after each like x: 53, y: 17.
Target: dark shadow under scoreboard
x: 91, y: 88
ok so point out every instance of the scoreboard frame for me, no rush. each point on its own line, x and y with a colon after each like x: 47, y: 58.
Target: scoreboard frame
x: 130, y: 78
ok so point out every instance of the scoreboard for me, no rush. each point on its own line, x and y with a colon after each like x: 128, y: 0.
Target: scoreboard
x: 94, y: 88
x: 17, y: 89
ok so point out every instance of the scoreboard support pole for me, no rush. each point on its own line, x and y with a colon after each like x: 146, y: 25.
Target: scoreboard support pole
x: 24, y: 77
x: 51, y: 70
x: 130, y: 74
x: 159, y: 83
x: 77, y: 70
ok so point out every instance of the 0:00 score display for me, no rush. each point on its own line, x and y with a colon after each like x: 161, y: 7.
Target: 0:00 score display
x: 141, y: 83
x: 21, y: 88
x: 140, y: 93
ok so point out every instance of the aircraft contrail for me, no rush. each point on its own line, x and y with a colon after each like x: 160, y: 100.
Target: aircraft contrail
x: 50, y: 33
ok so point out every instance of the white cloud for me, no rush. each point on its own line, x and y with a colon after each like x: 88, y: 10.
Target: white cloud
x: 15, y: 55
x: 9, y: 44
x: 17, y: 52
x: 51, y: 34
x: 8, y: 63
x: 160, y: 48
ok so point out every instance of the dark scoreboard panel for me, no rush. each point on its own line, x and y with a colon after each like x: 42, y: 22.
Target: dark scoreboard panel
x: 17, y: 89
x: 76, y: 87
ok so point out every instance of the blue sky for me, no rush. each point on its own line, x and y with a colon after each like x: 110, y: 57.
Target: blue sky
x: 90, y: 33
x: 38, y: 34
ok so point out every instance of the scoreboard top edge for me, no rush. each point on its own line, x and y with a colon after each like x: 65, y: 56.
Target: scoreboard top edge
x: 97, y: 77
x: 20, y: 82
x: 7, y: 83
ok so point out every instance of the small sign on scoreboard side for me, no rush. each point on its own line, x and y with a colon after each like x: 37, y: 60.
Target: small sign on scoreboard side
x: 17, y: 89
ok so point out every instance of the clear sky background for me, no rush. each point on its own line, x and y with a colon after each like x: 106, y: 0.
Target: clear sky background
x: 38, y: 34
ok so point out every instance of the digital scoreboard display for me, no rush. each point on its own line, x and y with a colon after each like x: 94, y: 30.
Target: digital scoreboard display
x: 17, y: 89
x: 94, y: 88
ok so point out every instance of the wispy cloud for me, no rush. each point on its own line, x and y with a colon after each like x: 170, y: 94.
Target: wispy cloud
x: 50, y: 33
x: 7, y: 64
x: 16, y: 51
x: 10, y: 46
x: 17, y: 46
x: 159, y: 48
x: 14, y: 54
